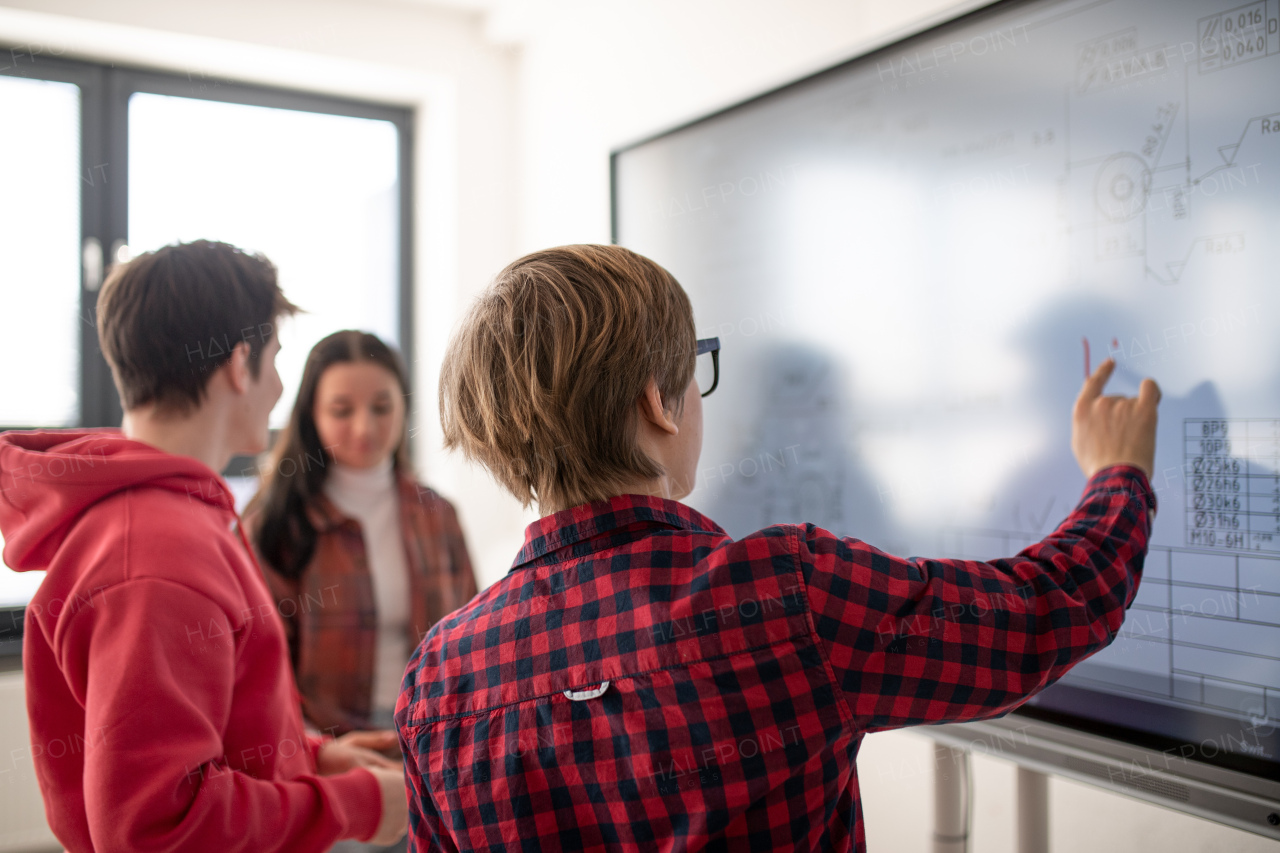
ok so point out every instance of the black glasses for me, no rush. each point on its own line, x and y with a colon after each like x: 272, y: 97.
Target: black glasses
x: 712, y: 346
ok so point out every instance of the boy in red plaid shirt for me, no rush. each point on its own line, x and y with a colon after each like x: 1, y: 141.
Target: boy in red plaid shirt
x: 639, y: 679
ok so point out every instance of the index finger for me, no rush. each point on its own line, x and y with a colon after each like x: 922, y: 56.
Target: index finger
x: 371, y: 737
x: 1093, y: 386
x: 1149, y: 393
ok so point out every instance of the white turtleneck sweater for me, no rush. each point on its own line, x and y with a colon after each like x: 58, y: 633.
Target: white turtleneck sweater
x: 370, y: 496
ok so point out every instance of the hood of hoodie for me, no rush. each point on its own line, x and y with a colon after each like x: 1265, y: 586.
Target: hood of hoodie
x: 49, y: 478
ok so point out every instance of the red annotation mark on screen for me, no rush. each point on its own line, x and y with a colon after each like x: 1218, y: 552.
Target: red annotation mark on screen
x: 1088, y: 371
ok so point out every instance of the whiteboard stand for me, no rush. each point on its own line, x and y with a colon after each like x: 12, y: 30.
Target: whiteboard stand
x: 1033, y: 811
x: 953, y: 804
x: 952, y: 799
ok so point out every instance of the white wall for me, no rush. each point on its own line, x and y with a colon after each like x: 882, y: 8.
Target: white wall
x: 524, y: 160
x: 22, y: 823
x: 595, y: 75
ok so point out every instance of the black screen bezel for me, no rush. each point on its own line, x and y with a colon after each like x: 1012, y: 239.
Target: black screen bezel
x: 1049, y: 703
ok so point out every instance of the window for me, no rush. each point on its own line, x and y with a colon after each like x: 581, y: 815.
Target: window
x: 316, y: 193
x: 101, y: 162
x: 40, y: 264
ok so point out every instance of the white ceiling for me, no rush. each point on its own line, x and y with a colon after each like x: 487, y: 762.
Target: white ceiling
x: 459, y: 5
x: 504, y: 21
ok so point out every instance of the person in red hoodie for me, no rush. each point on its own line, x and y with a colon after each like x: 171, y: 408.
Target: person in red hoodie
x: 163, y: 712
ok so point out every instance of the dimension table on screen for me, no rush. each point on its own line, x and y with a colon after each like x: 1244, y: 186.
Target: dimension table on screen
x: 1233, y: 483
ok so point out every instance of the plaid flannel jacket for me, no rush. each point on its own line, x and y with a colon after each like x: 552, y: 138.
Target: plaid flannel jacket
x: 641, y: 681
x: 329, y: 611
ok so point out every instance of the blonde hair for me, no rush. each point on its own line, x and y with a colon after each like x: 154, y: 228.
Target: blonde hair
x: 541, y: 381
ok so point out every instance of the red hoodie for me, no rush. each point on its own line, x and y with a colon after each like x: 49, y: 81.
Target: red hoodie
x: 163, y: 711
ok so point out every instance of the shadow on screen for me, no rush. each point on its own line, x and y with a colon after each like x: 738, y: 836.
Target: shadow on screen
x: 1047, y: 486
x: 794, y: 457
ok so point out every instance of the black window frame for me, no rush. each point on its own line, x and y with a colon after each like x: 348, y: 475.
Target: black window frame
x: 105, y: 90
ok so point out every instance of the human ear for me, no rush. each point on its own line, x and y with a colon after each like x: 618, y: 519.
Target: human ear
x: 651, y: 409
x: 237, y: 368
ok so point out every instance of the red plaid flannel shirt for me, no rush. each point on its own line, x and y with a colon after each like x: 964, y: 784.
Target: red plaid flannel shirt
x: 329, y: 612
x: 639, y: 680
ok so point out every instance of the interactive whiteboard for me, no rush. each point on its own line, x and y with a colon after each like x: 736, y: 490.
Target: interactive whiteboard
x: 911, y: 260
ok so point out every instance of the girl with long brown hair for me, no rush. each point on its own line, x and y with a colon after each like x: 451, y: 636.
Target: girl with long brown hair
x: 361, y: 558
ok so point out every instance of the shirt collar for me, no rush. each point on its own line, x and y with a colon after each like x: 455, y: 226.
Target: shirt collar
x: 587, y: 521
x: 324, y: 515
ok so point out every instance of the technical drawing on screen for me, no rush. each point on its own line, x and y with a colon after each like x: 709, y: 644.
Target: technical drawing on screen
x: 911, y: 258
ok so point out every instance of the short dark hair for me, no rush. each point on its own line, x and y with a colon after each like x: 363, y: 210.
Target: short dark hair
x: 168, y: 319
